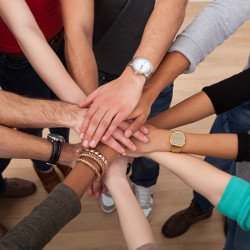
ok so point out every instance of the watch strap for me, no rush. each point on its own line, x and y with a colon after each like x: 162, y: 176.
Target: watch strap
x: 56, y: 151
x: 175, y: 149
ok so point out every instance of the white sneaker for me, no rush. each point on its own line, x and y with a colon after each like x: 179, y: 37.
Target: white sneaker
x: 107, y: 203
x: 144, y: 197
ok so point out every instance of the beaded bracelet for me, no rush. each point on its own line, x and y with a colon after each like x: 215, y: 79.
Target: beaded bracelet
x: 98, y: 154
x: 97, y: 174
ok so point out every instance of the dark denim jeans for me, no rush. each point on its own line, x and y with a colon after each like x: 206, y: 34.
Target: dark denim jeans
x: 233, y: 121
x: 18, y: 76
x: 145, y: 171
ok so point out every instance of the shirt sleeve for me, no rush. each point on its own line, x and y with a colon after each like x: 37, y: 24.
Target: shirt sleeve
x: 211, y: 27
x: 235, y: 202
x: 243, y: 147
x: 230, y: 92
x: 40, y: 226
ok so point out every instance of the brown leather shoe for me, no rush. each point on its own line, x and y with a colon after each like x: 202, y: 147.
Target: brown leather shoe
x: 180, y: 222
x: 64, y: 169
x: 3, y: 231
x: 49, y: 180
x: 18, y: 188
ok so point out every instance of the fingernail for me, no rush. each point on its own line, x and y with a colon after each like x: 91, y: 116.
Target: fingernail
x: 145, y: 130
x: 145, y: 138
x: 89, y: 193
x: 122, y: 150
x: 133, y: 147
x: 128, y: 133
x: 97, y: 195
x: 86, y: 143
x: 81, y: 136
x: 104, y: 138
x: 92, y: 143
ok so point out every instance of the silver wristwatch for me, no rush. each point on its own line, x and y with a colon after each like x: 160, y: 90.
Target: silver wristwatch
x: 142, y: 66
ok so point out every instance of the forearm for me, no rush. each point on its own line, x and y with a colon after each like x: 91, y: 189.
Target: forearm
x: 78, y: 23
x: 190, y: 110
x: 134, y: 224
x: 218, y: 21
x: 163, y: 24
x: 23, y: 112
x: 172, y: 65
x: 34, y: 45
x: 199, y: 175
x: 81, y: 61
x: 13, y: 142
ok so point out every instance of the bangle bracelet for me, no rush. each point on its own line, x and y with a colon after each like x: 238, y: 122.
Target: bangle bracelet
x: 95, y: 158
x: 97, y: 174
x: 97, y: 154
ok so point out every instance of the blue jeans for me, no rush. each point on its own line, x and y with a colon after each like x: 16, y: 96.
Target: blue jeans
x: 145, y: 171
x: 233, y: 121
x: 18, y: 76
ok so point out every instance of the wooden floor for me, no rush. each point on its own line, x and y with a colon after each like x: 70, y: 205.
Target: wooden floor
x: 93, y: 229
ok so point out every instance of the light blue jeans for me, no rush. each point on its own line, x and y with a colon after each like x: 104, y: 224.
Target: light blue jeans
x: 233, y: 121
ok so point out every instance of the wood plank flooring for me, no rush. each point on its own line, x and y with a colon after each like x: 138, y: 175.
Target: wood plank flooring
x: 93, y: 229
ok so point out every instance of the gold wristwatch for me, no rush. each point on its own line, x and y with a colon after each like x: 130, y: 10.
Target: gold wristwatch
x: 177, y: 140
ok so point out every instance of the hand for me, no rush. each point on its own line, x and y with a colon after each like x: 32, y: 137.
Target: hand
x: 116, y: 171
x: 158, y: 142
x: 119, y: 135
x: 139, y: 115
x: 77, y: 118
x: 69, y: 153
x: 96, y: 189
x: 110, y: 105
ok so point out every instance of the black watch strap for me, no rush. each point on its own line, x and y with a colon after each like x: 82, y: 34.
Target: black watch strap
x: 56, y: 151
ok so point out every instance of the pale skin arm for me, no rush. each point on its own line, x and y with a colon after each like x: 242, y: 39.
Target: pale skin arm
x: 173, y: 65
x: 22, y: 23
x: 135, y: 227
x: 22, y: 112
x: 109, y: 104
x: 199, y: 175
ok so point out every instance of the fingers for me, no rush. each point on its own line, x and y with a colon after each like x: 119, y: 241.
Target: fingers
x: 111, y: 142
x: 113, y: 126
x: 90, y: 189
x: 136, y: 125
x: 92, y: 110
x: 88, y: 100
x: 104, y: 188
x: 98, y: 189
x: 138, y: 134
x: 118, y: 134
x: 101, y: 127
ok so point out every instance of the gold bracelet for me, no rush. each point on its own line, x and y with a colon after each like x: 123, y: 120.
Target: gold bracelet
x: 97, y: 174
x: 95, y: 158
x: 97, y: 154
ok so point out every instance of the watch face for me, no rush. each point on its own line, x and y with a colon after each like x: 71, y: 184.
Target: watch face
x: 177, y: 139
x: 142, y: 65
x: 55, y: 137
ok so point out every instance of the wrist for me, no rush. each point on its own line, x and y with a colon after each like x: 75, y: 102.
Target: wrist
x: 117, y: 183
x: 68, y: 155
x: 133, y: 78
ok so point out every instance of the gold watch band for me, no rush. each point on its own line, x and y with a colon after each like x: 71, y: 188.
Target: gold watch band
x: 176, y: 149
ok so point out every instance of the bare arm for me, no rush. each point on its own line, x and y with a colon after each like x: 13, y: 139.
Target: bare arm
x: 109, y: 103
x: 22, y: 23
x: 199, y: 175
x: 135, y: 227
x: 16, y: 144
x: 213, y: 145
x: 22, y: 112
x: 78, y: 18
